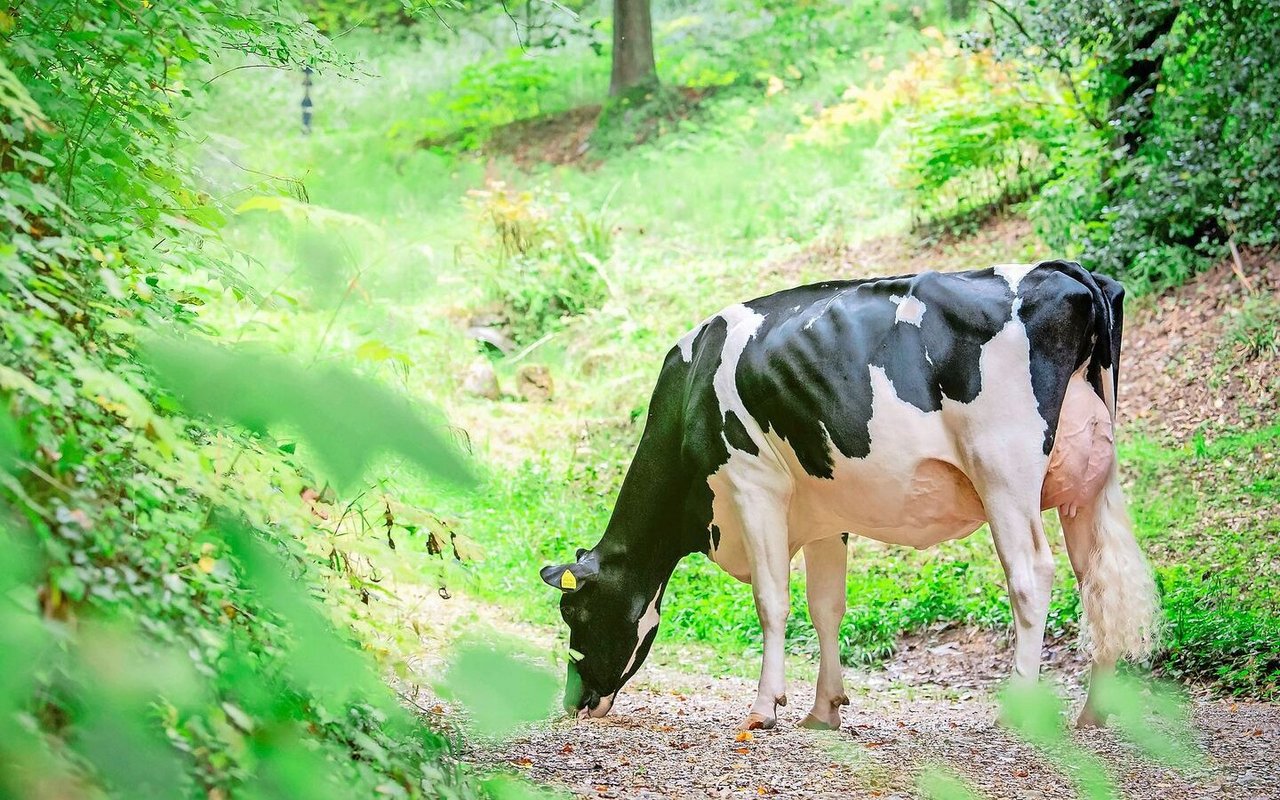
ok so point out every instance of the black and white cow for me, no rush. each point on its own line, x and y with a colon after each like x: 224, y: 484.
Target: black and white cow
x: 909, y: 410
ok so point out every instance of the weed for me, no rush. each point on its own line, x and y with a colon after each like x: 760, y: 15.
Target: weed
x: 539, y: 260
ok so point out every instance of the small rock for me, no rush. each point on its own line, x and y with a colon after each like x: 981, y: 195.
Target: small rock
x: 481, y: 381
x: 533, y: 383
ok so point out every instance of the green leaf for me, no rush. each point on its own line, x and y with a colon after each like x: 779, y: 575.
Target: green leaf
x: 498, y: 689
x: 347, y: 420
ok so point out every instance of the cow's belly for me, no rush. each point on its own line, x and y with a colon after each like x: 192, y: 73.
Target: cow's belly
x: 910, y: 490
x: 918, y: 503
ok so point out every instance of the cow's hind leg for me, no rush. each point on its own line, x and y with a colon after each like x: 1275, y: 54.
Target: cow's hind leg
x: 824, y: 563
x: 763, y: 512
x: 1117, y: 590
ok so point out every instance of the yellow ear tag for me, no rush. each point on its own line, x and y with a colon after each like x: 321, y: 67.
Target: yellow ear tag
x: 568, y: 581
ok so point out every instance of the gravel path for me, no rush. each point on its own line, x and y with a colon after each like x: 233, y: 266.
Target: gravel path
x: 671, y: 736
x: 671, y: 733
x: 658, y: 744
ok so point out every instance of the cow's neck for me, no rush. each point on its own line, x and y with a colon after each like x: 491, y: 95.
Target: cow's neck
x: 646, y: 536
x: 644, y: 541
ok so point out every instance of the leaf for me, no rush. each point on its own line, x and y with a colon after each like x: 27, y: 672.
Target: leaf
x: 347, y: 420
x: 939, y: 784
x: 374, y: 350
x: 499, y: 690
x: 15, y: 381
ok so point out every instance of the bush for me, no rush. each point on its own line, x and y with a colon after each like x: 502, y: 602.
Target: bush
x: 1185, y: 148
x: 162, y: 632
x: 539, y: 260
x: 969, y: 135
x: 487, y: 95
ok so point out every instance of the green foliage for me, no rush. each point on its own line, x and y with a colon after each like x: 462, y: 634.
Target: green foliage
x: 340, y: 16
x: 486, y: 95
x: 1221, y: 609
x: 1186, y: 152
x: 168, y: 588
x: 499, y: 690
x: 541, y: 260
x: 1151, y: 715
x: 344, y: 418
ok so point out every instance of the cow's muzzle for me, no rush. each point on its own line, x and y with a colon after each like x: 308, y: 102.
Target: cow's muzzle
x: 583, y: 702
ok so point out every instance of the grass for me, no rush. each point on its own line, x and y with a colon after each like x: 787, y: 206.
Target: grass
x: 1206, y: 514
x: 698, y: 217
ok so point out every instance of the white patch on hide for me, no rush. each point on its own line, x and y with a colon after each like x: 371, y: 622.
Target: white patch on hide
x: 914, y: 487
x: 910, y: 309
x: 742, y: 325
x: 686, y: 342
x: 1013, y: 273
x: 647, y: 622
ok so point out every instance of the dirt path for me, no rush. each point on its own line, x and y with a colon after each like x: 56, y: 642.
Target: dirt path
x: 671, y: 733
x: 660, y: 743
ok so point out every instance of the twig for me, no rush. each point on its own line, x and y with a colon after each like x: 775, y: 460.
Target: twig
x: 1063, y: 66
x: 242, y: 66
x: 529, y: 349
x: 1237, y: 266
x: 447, y: 26
x: 515, y: 25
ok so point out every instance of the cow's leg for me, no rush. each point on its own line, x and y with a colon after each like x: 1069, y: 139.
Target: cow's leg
x: 764, y: 526
x: 824, y: 563
x: 1117, y: 589
x: 1024, y: 552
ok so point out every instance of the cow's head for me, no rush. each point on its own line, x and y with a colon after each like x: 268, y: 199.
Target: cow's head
x: 612, y: 625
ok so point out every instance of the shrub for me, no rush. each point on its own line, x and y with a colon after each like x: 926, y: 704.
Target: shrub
x: 539, y: 260
x: 969, y: 135
x: 1185, y: 151
x: 160, y: 634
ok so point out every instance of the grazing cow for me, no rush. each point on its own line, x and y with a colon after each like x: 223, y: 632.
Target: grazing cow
x: 909, y: 410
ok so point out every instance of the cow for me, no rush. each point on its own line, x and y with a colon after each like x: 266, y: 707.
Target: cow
x: 910, y: 410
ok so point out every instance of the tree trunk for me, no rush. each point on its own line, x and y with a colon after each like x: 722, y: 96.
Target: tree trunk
x: 632, y: 47
x: 1134, y: 106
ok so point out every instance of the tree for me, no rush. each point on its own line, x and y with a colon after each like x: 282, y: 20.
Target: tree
x: 633, y: 64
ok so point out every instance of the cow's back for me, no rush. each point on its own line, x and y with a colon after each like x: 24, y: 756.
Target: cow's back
x: 873, y: 397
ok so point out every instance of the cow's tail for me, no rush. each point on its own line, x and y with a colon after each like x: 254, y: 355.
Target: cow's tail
x: 1117, y: 589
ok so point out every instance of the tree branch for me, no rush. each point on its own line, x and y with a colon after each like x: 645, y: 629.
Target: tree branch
x: 1063, y: 66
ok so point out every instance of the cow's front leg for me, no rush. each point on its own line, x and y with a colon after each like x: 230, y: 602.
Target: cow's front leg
x: 824, y: 564
x: 764, y: 523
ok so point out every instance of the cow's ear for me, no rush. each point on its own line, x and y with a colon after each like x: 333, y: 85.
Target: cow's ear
x: 571, y: 577
x: 578, y: 555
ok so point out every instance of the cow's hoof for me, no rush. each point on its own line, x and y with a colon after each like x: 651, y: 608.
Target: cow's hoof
x: 757, y: 722
x: 1091, y: 719
x: 814, y: 724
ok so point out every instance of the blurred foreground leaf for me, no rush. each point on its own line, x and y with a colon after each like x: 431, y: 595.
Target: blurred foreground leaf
x: 939, y: 784
x: 1036, y: 714
x: 347, y: 420
x: 1155, y: 718
x: 499, y: 690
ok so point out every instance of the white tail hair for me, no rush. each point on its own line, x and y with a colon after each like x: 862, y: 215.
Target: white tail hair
x: 1118, y: 591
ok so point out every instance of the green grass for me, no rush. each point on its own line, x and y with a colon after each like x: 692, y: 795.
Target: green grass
x: 1206, y: 513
